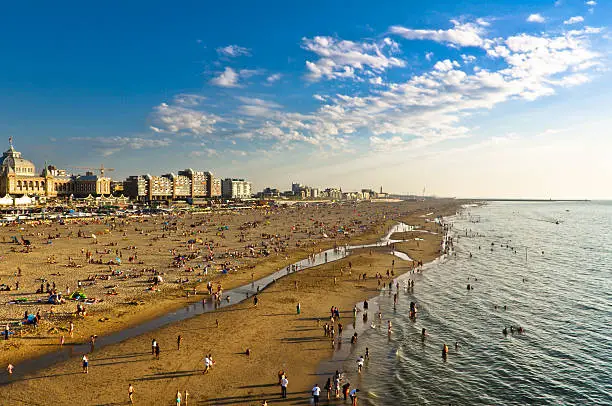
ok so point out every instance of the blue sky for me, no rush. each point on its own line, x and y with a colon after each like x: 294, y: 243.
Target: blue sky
x: 503, y: 98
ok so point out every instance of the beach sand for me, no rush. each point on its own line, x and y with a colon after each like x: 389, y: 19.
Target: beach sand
x: 277, y: 337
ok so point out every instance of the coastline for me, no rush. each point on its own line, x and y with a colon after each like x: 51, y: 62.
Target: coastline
x: 299, y: 353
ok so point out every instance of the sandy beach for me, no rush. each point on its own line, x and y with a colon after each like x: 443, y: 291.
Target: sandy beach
x: 277, y: 337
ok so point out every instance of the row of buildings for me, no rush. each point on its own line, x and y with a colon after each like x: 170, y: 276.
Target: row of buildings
x: 18, y: 177
x: 188, y: 184
x: 303, y: 192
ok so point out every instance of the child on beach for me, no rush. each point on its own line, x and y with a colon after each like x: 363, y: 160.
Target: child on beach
x: 85, y: 364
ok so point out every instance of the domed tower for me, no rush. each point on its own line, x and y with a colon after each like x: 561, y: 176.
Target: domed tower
x: 18, y: 175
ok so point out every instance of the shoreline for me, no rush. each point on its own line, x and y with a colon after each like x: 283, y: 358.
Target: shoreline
x: 316, y: 290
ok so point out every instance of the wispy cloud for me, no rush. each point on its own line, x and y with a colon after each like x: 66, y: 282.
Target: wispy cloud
x: 341, y: 59
x: 274, y: 78
x: 574, y: 20
x: 228, y: 78
x: 233, y: 51
x: 110, y: 145
x: 461, y: 35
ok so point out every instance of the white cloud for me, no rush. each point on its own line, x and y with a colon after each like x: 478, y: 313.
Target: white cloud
x: 188, y: 100
x: 429, y: 55
x: 461, y: 35
x: 233, y: 51
x: 273, y: 78
x: 446, y: 65
x: 180, y: 120
x: 422, y: 110
x: 574, y: 20
x: 536, y: 18
x: 255, y: 107
x: 228, y: 78
x: 209, y: 152
x: 247, y: 73
x: 591, y: 3
x: 346, y: 59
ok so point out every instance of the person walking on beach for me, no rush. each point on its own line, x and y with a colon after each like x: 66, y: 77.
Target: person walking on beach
x: 85, y: 364
x: 10, y: 369
x: 153, y: 345
x: 316, y: 392
x: 178, y: 398
x: 360, y: 363
x: 157, y: 351
x: 178, y: 345
x: 284, y: 383
x: 71, y: 329
x: 131, y: 394
x: 207, y: 364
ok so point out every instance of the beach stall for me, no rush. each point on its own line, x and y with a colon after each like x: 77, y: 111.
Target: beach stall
x: 25, y: 200
x: 6, y: 200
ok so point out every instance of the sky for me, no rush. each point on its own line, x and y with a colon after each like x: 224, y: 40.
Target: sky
x: 450, y: 98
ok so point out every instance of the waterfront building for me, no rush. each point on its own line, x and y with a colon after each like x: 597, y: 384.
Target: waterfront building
x: 235, y: 188
x: 18, y: 177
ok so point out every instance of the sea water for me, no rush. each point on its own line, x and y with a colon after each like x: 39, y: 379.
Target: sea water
x: 550, y: 265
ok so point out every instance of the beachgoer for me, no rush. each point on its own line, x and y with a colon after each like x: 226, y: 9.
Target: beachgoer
x: 284, y: 383
x: 353, y: 395
x: 157, y: 351
x: 178, y: 344
x: 360, y: 362
x: 207, y: 364
x: 85, y: 364
x: 178, y: 398
x: 131, y: 393
x: 316, y: 392
x: 10, y: 369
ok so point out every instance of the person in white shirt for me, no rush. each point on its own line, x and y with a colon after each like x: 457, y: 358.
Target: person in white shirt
x: 207, y: 364
x: 316, y: 391
x: 360, y: 362
x: 284, y: 383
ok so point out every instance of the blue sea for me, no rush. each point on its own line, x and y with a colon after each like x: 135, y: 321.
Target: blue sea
x: 550, y: 265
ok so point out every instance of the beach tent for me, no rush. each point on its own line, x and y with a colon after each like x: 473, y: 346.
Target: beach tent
x: 78, y: 296
x: 6, y: 201
x: 25, y: 200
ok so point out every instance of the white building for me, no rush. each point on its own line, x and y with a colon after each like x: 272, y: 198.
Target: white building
x: 235, y: 189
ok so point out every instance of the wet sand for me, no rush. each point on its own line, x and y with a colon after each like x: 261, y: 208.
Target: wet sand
x: 276, y: 335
